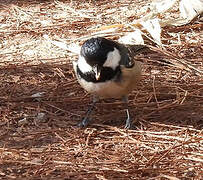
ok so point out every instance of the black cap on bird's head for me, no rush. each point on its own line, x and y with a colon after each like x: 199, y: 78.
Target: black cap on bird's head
x: 95, y: 50
x: 101, y: 54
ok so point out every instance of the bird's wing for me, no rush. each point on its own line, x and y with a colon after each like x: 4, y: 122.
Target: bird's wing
x: 128, y: 52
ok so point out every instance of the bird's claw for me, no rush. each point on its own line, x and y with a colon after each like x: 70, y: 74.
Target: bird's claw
x: 83, y: 123
x: 128, y: 123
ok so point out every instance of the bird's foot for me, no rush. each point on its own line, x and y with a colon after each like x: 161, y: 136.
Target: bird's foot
x: 84, y: 123
x: 128, y: 123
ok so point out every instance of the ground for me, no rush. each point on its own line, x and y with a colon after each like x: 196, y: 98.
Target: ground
x: 41, y: 101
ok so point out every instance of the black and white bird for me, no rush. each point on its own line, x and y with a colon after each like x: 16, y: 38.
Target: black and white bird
x: 106, y: 70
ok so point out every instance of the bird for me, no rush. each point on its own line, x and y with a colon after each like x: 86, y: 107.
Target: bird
x: 105, y: 69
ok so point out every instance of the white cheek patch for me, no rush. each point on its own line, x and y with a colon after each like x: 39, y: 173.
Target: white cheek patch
x: 113, y: 59
x: 83, y: 66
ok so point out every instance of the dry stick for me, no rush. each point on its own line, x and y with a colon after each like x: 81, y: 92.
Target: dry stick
x: 62, y: 109
x: 160, y: 108
x: 170, y: 148
x: 64, y: 141
x: 187, y: 66
x: 168, y: 177
x: 88, y: 137
x: 155, y: 91
x: 184, y: 97
x: 163, y: 107
x: 134, y: 140
x: 194, y: 159
x: 177, y: 127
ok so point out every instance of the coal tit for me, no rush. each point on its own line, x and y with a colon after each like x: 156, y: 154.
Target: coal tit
x: 105, y: 70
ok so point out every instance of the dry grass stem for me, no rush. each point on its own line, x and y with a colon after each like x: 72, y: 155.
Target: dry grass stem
x: 41, y: 101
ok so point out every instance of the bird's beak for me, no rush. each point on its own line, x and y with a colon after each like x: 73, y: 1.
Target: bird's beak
x: 97, y: 72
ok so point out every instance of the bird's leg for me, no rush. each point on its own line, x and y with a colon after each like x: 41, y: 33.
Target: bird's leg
x: 128, y: 120
x: 86, y: 119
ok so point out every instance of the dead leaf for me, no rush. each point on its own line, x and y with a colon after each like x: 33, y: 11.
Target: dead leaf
x: 161, y: 6
x: 190, y: 9
x: 154, y: 29
x: 132, y: 38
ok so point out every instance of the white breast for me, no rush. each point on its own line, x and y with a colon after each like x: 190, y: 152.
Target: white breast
x: 115, y: 89
x: 107, y: 89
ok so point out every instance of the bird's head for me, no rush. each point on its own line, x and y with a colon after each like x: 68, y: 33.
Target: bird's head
x: 99, y: 53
